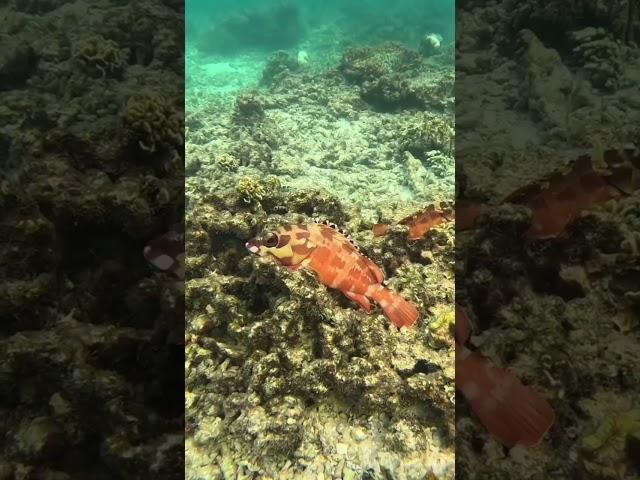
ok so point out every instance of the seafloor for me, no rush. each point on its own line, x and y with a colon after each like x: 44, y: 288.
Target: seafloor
x: 91, y: 169
x: 285, y: 379
x: 537, y: 84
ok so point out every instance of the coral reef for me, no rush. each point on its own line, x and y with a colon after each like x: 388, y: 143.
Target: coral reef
x: 281, y: 64
x: 100, y: 57
x: 309, y: 354
x: 600, y: 55
x: 91, y: 336
x: 429, y: 132
x: 372, y: 63
x: 286, y: 378
x: 552, y: 19
x: 154, y: 122
x: 392, y: 76
x: 253, y: 191
x: 249, y: 108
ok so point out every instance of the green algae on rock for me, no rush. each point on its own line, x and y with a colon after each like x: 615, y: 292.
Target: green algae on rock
x: 154, y: 122
x: 281, y: 348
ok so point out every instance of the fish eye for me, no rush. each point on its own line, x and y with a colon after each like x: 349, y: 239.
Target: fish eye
x: 271, y: 240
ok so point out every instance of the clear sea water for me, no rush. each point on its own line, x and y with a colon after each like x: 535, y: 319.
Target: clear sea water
x: 231, y: 39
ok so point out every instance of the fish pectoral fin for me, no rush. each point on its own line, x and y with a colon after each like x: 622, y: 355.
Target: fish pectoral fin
x: 360, y: 300
x: 295, y: 268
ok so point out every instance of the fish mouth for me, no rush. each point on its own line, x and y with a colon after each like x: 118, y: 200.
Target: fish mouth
x: 252, y: 247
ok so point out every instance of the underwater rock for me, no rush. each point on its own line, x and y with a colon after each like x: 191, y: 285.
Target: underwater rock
x: 37, y: 7
x: 547, y: 80
x: 554, y: 18
x: 393, y: 77
x: 284, y: 377
x: 41, y: 438
x: 17, y: 63
x: 388, y: 92
x: 276, y: 343
x: 278, y: 66
x: 394, y: 91
x: 372, y: 63
x: 418, y: 175
x: 248, y: 108
x: 523, y: 108
x: 600, y: 55
x: 78, y: 201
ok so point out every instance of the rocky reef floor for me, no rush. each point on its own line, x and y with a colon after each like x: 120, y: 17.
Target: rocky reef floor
x: 286, y: 379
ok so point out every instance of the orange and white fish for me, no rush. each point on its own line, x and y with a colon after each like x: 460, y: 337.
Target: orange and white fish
x: 338, y: 264
x: 421, y: 222
x: 513, y: 413
x: 556, y: 200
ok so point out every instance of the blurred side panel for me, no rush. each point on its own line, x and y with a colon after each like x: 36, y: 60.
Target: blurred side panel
x: 547, y: 237
x: 91, y: 196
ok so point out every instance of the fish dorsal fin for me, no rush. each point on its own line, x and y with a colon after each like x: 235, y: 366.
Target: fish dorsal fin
x: 338, y: 229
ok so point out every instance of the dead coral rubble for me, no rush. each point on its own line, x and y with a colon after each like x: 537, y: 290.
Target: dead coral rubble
x: 265, y: 344
x: 392, y: 76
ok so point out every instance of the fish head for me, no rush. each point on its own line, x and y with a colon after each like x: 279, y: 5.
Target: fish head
x: 289, y: 245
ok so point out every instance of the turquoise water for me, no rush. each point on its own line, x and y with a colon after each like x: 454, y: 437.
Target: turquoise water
x: 228, y: 42
x: 291, y: 23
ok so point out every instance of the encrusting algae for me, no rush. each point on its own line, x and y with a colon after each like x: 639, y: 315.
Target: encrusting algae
x: 310, y: 355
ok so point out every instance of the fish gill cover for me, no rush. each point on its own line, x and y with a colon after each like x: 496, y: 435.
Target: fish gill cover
x: 548, y: 259
x: 91, y: 169
x: 298, y: 113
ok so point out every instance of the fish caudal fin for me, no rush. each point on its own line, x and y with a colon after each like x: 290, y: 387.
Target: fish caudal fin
x: 512, y: 412
x: 397, y: 309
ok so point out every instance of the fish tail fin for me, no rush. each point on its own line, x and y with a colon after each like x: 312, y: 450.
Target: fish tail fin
x: 397, y: 309
x: 510, y: 411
